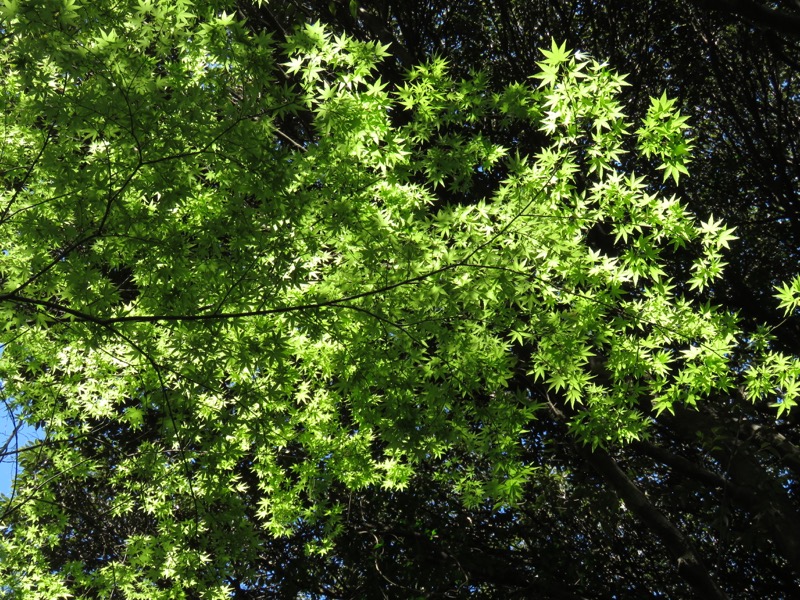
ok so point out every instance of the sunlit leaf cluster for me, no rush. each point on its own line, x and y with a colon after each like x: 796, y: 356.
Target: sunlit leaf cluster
x: 247, y: 273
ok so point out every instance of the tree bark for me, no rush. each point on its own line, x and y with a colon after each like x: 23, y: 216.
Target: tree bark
x: 759, y: 492
x: 690, y: 565
x: 758, y: 14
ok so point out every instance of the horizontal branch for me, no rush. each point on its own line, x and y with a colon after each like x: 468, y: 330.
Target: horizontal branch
x: 758, y: 14
x: 55, y: 307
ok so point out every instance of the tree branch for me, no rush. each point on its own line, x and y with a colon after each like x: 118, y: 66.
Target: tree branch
x: 758, y: 491
x: 690, y: 566
x: 758, y: 14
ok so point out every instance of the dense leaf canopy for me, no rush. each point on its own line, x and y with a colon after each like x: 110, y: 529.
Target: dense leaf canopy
x: 357, y: 301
